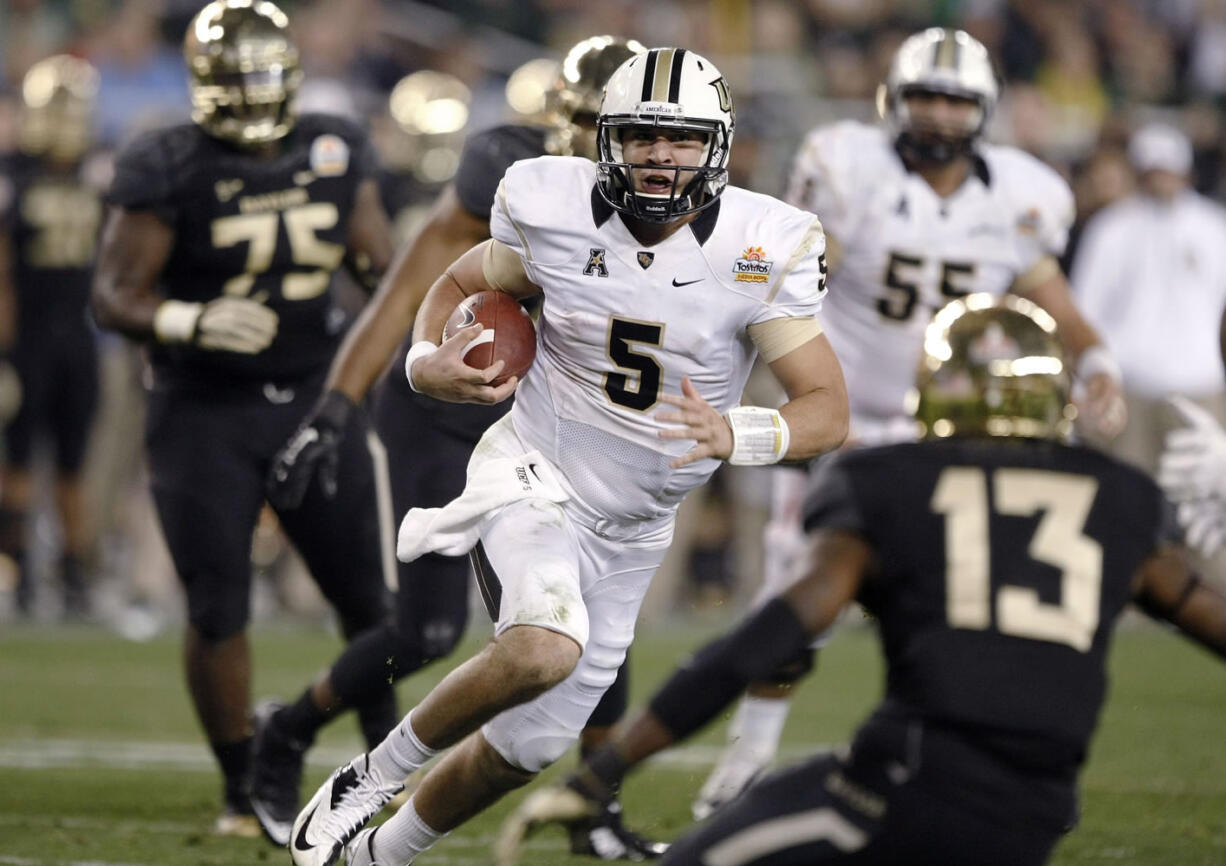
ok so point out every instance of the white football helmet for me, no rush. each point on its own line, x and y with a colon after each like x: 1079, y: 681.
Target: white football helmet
x: 937, y: 60
x: 669, y: 88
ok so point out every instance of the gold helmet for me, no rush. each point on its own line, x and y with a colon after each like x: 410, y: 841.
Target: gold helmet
x: 244, y: 71
x: 992, y: 366
x: 429, y: 113
x: 572, y: 102
x: 58, y: 96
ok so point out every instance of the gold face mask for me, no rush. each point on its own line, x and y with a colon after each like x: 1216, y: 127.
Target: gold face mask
x: 992, y: 366
x: 244, y: 71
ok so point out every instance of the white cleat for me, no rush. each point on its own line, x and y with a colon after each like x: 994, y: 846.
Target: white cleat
x: 734, y: 773
x: 361, y: 851
x: 341, y: 807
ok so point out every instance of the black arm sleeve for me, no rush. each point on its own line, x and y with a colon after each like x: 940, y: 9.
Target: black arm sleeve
x: 720, y: 671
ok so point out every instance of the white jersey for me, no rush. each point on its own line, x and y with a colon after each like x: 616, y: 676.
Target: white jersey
x: 908, y: 252
x: 623, y: 322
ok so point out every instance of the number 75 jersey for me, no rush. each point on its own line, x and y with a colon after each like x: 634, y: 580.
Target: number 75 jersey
x: 273, y: 229
x: 622, y: 322
x: 907, y: 252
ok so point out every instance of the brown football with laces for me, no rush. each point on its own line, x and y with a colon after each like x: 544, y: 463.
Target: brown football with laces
x: 509, y: 334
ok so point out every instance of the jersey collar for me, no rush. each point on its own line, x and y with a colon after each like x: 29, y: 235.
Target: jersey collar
x: 702, y: 225
x: 979, y: 166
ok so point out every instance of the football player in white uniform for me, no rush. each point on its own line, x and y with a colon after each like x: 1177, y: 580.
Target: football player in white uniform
x: 660, y: 286
x: 918, y: 211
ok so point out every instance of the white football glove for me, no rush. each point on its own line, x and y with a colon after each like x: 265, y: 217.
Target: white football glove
x: 225, y: 324
x: 1204, y: 525
x: 1193, y: 466
x: 1192, y: 472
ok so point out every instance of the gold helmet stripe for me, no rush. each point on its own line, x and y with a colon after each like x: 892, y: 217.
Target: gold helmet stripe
x: 947, y: 52
x: 664, y: 74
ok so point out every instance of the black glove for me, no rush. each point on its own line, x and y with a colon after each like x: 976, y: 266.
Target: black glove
x: 314, y: 448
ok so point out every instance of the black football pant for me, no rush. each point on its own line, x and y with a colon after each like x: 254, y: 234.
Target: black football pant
x: 59, y: 393
x: 209, y: 453
x: 863, y: 810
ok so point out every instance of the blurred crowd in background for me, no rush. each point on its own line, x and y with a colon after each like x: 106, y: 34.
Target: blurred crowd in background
x: 1079, y: 76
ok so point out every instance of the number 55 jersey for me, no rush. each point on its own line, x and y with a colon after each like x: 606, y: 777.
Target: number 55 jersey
x: 907, y: 251
x: 273, y: 229
x: 622, y: 322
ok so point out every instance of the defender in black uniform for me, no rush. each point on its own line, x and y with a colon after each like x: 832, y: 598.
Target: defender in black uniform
x: 50, y: 214
x: 429, y: 442
x: 996, y: 569
x: 219, y: 250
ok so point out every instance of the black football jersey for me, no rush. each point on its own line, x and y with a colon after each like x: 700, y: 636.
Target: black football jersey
x: 1001, y: 569
x: 274, y: 229
x: 53, y: 218
x: 486, y: 157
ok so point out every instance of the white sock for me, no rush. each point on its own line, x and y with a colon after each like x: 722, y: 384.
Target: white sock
x: 758, y: 726
x: 403, y: 836
x: 401, y: 752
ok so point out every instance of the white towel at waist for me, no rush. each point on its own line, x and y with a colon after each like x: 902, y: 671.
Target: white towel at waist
x: 453, y: 529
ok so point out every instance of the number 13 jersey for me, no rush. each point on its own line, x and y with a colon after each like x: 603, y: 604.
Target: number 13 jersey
x: 622, y: 322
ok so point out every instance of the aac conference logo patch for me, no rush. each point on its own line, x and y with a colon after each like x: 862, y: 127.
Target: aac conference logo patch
x: 753, y: 266
x: 329, y: 156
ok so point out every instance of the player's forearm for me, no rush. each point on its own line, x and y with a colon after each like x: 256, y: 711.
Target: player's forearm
x: 817, y: 422
x: 464, y: 277
x: 123, y: 307
x: 134, y: 248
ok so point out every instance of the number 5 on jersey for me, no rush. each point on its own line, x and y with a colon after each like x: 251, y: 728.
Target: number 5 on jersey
x: 259, y: 232
x: 624, y: 335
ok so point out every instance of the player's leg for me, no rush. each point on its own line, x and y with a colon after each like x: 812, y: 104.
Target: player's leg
x: 208, y: 491
x: 16, y: 483
x: 757, y: 725
x: 542, y: 627
x: 72, y: 419
x: 525, y: 739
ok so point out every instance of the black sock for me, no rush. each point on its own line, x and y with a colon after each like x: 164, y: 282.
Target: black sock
x: 601, y: 775
x: 377, y: 718
x: 300, y: 720
x: 235, y: 761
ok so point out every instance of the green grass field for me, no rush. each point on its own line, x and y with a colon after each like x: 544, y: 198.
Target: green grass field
x: 101, y: 763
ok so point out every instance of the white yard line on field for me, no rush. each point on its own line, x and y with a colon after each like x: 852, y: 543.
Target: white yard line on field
x: 61, y: 753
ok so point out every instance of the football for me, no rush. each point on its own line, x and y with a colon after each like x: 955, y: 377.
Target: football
x: 509, y: 334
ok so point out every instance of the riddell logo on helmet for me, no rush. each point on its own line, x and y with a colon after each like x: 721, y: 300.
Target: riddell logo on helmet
x: 753, y: 266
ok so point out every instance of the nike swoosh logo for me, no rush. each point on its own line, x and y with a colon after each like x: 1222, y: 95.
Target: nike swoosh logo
x: 686, y: 283
x: 532, y: 468
x: 301, y: 843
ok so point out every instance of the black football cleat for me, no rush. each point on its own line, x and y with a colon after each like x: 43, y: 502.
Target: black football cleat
x: 276, y: 774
